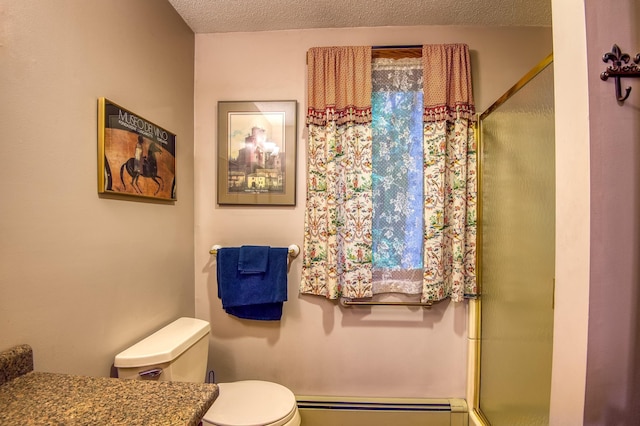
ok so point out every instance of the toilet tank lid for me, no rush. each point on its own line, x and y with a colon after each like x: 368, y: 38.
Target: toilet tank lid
x: 164, y: 345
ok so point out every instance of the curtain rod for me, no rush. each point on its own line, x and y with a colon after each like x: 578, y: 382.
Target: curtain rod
x: 405, y: 46
x: 394, y: 52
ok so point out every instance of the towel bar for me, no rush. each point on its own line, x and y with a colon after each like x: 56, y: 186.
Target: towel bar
x: 294, y: 250
x: 348, y: 303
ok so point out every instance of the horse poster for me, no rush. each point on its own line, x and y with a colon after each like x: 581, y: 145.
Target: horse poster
x: 135, y: 156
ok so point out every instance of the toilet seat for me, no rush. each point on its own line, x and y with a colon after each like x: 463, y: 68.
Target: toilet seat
x: 252, y: 403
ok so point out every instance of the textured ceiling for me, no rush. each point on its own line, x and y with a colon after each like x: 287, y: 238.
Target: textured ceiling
x: 214, y: 16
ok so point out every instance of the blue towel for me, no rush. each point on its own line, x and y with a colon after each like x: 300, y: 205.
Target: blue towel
x: 261, y: 312
x: 258, y: 296
x: 253, y: 259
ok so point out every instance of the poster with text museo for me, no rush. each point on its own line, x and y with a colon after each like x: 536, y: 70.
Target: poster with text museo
x: 135, y: 156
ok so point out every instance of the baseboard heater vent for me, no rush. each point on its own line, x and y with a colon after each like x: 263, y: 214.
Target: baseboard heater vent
x: 337, y: 411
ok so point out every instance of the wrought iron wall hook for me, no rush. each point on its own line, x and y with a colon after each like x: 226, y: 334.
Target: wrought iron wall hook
x: 620, y: 68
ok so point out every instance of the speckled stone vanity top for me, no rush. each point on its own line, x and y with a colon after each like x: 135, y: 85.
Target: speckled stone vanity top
x: 34, y: 398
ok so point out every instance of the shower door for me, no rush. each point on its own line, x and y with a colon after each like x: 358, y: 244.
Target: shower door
x: 517, y: 256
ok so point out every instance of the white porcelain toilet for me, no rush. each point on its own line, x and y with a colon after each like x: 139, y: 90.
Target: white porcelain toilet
x: 178, y: 352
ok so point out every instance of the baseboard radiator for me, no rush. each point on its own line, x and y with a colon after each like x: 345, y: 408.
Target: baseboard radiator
x: 350, y: 411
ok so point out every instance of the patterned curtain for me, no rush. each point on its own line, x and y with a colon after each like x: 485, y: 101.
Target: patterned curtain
x: 337, y: 234
x: 337, y: 251
x: 450, y: 196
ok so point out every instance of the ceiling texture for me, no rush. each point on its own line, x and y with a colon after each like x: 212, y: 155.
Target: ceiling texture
x: 222, y: 16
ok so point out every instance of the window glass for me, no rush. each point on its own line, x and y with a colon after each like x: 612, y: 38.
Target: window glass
x: 397, y: 164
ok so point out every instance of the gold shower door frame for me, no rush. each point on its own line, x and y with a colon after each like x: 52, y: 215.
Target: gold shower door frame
x: 516, y: 388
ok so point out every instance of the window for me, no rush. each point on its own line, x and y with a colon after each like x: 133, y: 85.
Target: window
x: 370, y: 224
x: 397, y: 153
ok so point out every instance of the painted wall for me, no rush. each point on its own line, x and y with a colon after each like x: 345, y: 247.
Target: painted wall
x: 319, y: 347
x: 571, y: 316
x: 596, y: 335
x: 82, y: 277
x: 613, y: 373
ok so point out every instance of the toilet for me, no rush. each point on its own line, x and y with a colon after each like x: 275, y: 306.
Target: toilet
x: 178, y: 352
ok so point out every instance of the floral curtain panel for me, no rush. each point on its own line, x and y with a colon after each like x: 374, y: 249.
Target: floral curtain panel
x: 337, y: 234
x: 450, y: 174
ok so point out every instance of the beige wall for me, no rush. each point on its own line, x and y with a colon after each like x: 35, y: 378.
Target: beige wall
x: 596, y: 335
x: 82, y: 277
x: 613, y: 375
x: 318, y: 347
x: 571, y: 314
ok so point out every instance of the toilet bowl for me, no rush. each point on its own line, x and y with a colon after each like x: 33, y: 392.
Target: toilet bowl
x: 178, y: 352
x: 253, y: 402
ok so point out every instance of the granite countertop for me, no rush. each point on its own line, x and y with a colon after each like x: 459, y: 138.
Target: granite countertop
x: 36, y: 398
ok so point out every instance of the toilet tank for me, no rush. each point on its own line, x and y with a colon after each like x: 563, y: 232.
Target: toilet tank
x: 177, y: 352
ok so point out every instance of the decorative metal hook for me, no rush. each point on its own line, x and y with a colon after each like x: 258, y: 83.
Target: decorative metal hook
x: 620, y: 69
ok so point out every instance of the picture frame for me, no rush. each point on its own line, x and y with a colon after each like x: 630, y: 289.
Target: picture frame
x: 136, y: 157
x: 257, y: 151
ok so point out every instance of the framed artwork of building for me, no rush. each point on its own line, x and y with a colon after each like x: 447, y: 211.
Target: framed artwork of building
x: 135, y: 156
x: 257, y: 152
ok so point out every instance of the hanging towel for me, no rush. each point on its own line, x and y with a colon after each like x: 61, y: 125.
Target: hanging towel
x: 260, y: 312
x: 257, y: 296
x: 253, y: 259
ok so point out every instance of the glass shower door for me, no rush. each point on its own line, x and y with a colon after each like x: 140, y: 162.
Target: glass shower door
x: 518, y: 250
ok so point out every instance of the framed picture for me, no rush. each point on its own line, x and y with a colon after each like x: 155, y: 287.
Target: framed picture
x: 135, y: 156
x: 257, y: 153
